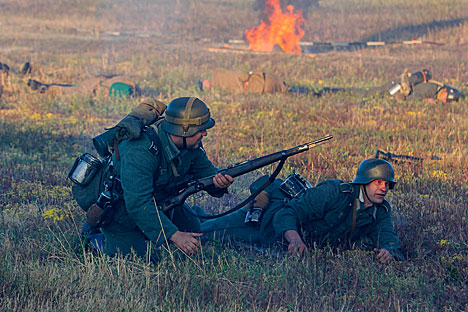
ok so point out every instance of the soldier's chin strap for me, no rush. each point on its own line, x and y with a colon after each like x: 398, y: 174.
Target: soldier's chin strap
x: 365, y: 193
x: 245, y: 201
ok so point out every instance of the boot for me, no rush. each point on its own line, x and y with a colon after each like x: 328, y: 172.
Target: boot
x: 26, y: 69
x: 5, y: 68
x: 34, y: 84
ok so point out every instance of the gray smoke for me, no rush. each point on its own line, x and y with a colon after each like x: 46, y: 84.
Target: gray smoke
x: 303, y: 5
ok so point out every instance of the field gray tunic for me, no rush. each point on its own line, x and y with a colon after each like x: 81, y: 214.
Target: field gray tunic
x: 143, y: 175
x: 324, y: 214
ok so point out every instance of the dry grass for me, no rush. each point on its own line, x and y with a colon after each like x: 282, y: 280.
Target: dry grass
x: 44, y: 266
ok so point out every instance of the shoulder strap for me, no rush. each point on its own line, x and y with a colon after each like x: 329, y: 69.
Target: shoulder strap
x: 156, y: 146
x: 356, y: 204
x: 346, y: 187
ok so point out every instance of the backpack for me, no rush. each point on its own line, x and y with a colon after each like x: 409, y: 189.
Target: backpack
x: 97, y: 186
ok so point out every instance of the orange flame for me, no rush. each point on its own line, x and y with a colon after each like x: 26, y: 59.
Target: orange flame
x: 282, y: 28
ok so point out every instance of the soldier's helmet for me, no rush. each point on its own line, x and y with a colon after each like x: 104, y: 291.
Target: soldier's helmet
x: 185, y: 116
x: 375, y: 169
x: 453, y: 95
x: 448, y: 94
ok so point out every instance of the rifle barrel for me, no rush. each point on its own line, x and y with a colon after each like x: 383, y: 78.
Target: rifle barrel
x: 239, y: 169
x: 306, y: 146
x: 256, y: 163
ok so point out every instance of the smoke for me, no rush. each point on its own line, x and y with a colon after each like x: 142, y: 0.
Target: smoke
x: 303, y: 5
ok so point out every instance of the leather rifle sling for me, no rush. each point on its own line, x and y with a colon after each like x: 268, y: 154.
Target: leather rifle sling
x: 353, y: 227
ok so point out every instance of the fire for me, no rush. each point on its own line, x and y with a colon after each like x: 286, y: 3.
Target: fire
x: 282, y: 28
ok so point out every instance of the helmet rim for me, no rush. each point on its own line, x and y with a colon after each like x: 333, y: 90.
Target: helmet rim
x: 185, y: 116
x: 375, y: 169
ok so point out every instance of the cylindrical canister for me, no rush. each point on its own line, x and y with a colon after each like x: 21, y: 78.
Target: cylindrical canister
x: 294, y: 185
x: 394, y: 89
x: 84, y: 169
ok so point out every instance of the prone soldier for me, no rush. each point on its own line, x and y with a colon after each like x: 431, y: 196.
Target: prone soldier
x: 333, y: 212
x: 239, y: 81
x: 249, y: 82
x: 99, y: 85
x: 409, y: 86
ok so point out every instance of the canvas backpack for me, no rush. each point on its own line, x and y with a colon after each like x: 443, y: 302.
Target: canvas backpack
x: 97, y: 186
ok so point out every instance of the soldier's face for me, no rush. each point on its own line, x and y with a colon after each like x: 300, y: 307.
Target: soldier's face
x: 376, y: 190
x: 194, y: 141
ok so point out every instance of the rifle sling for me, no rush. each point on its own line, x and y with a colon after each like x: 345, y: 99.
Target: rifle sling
x: 155, y: 148
x: 356, y: 204
x: 245, y: 201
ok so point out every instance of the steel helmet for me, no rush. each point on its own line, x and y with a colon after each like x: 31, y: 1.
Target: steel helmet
x: 185, y: 116
x: 453, y: 94
x: 448, y: 94
x: 375, y: 169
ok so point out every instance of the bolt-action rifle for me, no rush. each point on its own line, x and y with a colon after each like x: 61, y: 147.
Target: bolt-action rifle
x: 396, y: 158
x: 183, y: 191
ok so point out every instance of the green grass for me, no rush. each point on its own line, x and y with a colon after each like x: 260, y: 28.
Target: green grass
x: 44, y: 266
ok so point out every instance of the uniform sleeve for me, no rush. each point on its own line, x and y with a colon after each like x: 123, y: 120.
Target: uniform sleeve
x: 138, y: 166
x: 311, y: 206
x: 382, y: 234
x: 203, y: 167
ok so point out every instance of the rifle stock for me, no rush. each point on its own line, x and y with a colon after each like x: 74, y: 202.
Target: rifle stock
x: 236, y: 170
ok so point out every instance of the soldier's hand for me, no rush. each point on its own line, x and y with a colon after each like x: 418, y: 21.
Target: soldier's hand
x: 383, y: 255
x: 187, y: 242
x: 222, y: 181
x: 297, y: 247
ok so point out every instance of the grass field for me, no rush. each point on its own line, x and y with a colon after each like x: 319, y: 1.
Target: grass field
x: 163, y: 45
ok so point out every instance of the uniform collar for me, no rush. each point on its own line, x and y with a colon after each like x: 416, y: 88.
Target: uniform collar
x: 361, y: 199
x: 171, y: 151
x: 361, y: 195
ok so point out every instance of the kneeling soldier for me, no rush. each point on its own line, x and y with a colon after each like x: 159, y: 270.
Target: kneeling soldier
x: 147, y: 173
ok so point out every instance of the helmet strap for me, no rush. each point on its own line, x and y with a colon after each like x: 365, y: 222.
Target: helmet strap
x: 365, y: 193
x: 188, y: 110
